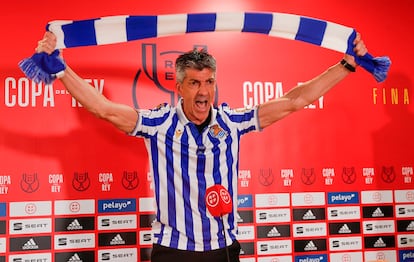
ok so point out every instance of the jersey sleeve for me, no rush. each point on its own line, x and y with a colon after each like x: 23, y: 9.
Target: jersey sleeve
x: 150, y: 119
x: 244, y: 119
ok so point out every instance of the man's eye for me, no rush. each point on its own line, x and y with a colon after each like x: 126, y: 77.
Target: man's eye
x: 194, y: 83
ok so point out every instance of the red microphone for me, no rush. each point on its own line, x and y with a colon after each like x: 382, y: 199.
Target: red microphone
x: 218, y: 200
x: 219, y: 203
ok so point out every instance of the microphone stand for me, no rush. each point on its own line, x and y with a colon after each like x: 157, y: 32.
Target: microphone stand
x: 225, y: 239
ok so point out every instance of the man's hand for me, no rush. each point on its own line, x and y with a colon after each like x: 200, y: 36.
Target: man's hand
x: 360, y: 49
x: 47, y: 44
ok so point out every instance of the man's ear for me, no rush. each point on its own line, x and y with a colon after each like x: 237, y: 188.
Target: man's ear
x: 178, y: 87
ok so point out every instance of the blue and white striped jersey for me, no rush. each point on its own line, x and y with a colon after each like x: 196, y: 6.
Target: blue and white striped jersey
x: 184, y: 163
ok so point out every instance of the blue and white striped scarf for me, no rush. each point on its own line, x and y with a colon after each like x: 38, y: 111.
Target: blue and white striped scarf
x: 120, y: 29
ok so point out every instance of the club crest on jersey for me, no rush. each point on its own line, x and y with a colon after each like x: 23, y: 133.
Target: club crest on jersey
x: 217, y: 132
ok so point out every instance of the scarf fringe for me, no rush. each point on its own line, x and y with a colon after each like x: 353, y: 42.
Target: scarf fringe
x: 377, y: 66
x: 43, y: 68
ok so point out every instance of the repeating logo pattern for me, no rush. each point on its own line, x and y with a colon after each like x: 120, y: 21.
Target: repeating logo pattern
x: 361, y: 223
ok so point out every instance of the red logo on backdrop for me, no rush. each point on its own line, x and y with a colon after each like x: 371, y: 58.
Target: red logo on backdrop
x: 29, y: 183
x: 308, y: 199
x: 130, y: 180
x: 409, y: 196
x: 74, y: 207
x: 346, y: 258
x: 266, y: 177
x: 376, y: 196
x: 381, y: 256
x: 156, y: 78
x: 348, y: 175
x: 308, y: 176
x: 30, y: 208
x: 81, y: 181
x: 272, y: 200
x: 388, y: 174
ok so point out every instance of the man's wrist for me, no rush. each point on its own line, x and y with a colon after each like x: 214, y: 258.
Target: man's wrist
x: 347, y: 65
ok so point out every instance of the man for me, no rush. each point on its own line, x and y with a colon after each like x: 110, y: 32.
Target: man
x: 194, y: 146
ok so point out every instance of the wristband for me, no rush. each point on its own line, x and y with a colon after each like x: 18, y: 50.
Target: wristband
x: 348, y: 66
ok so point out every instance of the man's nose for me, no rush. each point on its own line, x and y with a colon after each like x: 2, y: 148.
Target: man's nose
x: 204, y: 88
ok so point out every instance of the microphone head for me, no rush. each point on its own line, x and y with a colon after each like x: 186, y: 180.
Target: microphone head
x: 218, y: 201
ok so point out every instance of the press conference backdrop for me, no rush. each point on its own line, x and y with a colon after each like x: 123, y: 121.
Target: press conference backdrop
x: 333, y: 182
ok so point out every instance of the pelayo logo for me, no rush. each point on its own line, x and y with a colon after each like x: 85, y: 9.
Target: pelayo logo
x: 406, y: 255
x: 117, y: 205
x: 312, y: 258
x: 343, y: 198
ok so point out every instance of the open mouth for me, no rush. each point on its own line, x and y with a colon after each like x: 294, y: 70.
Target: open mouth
x: 202, y: 104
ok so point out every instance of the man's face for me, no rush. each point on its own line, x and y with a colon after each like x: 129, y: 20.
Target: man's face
x: 197, y: 91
